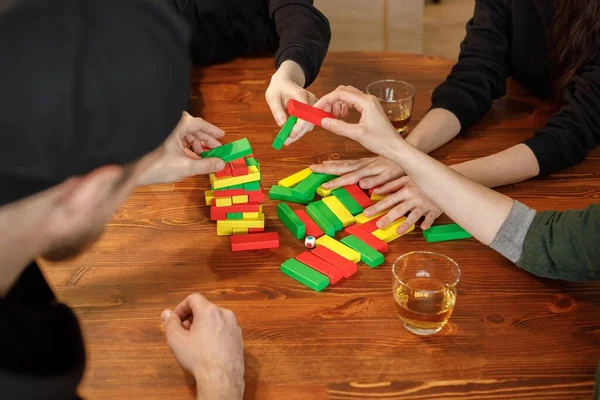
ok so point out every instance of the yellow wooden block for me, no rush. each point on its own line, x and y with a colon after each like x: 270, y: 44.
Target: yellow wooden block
x: 363, y: 219
x: 377, y: 197
x: 249, y: 215
x: 241, y: 199
x: 340, y: 248
x: 223, y: 202
x: 321, y: 191
x: 224, y: 231
x: 389, y: 233
x: 240, y: 231
x: 336, y: 206
x: 253, y: 169
x: 295, y: 179
x: 218, y: 183
x: 259, y: 209
x: 209, y: 195
x: 242, y: 223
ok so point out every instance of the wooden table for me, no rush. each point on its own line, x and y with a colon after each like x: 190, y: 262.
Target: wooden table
x: 511, y: 336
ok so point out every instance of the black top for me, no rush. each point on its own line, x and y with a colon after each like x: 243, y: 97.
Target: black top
x: 507, y: 38
x: 292, y: 29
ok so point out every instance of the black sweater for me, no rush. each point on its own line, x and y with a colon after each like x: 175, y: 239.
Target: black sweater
x: 507, y: 38
x: 292, y: 29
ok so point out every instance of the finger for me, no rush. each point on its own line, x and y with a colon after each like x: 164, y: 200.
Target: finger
x: 195, y: 125
x: 352, y: 98
x: 172, y: 324
x: 335, y: 169
x: 395, y: 213
x: 191, y: 154
x: 345, y: 110
x: 347, y: 162
x: 412, y: 218
x: 375, y: 181
x: 392, y: 186
x: 351, y: 131
x: 187, y: 324
x: 430, y: 219
x: 207, y: 166
x: 300, y: 129
x: 194, y: 304
x: 387, y: 203
x: 337, y: 109
x: 209, y: 140
x: 347, y: 179
x: 275, y: 103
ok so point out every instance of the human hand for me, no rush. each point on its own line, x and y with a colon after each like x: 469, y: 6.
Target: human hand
x: 369, y: 172
x: 175, y: 161
x: 407, y: 197
x: 207, y: 341
x: 374, y: 130
x: 288, y: 83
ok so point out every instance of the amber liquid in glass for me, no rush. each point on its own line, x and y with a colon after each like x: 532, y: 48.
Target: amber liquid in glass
x: 399, y: 115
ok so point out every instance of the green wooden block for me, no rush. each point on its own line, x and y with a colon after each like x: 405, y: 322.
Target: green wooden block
x: 251, y: 161
x: 252, y: 186
x: 322, y: 222
x: 230, y: 151
x: 240, y: 186
x: 308, y: 187
x: 291, y: 221
x: 441, y: 233
x: 347, y: 200
x: 285, y: 194
x: 327, y: 213
x: 235, y: 215
x: 284, y: 133
x: 368, y: 255
x: 304, y: 274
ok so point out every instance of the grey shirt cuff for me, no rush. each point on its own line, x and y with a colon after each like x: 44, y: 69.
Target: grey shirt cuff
x: 511, y: 236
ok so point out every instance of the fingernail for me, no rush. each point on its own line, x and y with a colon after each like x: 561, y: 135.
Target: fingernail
x: 380, y: 224
x: 325, y: 123
x: 220, y: 165
x: 368, y: 212
x: 281, y: 120
x: 165, y: 316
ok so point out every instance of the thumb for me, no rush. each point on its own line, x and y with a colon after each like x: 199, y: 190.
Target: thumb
x: 207, y: 165
x: 341, y: 128
x: 172, y: 324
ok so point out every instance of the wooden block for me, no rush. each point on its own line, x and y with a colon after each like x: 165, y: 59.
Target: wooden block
x: 322, y: 222
x: 371, y: 226
x: 253, y: 170
x: 224, y: 172
x: 327, y: 213
x: 286, y: 194
x: 251, y: 161
x: 229, y: 192
x: 239, y: 199
x: 368, y: 255
x: 250, y: 215
x: 370, y: 239
x: 240, y: 231
x: 294, y: 179
x: 220, y: 213
x: 318, y: 264
x: 230, y: 151
x: 378, y: 197
x: 389, y: 233
x: 256, y: 230
x: 209, y: 195
x: 237, y: 215
x: 304, y: 274
x: 227, y: 188
x: 256, y: 196
x: 291, y: 221
x: 441, y: 233
x: 339, y: 210
x: 362, y: 218
x: 224, y: 231
x: 348, y: 267
x: 255, y: 241
x: 307, y: 113
x: 252, y: 186
x: 339, y: 248
x: 312, y: 229
x: 347, y: 201
x: 308, y: 187
x: 284, y: 133
x: 321, y: 191
x: 223, y: 201
x: 243, y: 223
x: 357, y: 193
x: 217, y: 183
x: 239, y: 167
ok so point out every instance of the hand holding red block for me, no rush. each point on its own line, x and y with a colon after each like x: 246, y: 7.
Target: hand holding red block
x: 307, y: 113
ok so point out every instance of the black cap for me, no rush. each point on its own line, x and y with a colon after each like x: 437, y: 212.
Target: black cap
x: 85, y: 83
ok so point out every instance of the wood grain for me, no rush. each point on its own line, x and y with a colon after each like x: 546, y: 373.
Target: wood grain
x: 512, y: 336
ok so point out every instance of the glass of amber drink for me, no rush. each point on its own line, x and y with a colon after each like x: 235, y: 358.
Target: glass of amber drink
x: 425, y: 290
x: 397, y: 99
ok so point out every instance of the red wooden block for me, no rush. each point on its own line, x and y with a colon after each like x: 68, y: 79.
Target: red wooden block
x: 307, y: 113
x: 256, y: 230
x: 347, y: 266
x: 371, y: 225
x: 224, y: 172
x: 239, y: 167
x: 255, y: 241
x: 312, y: 229
x: 318, y: 264
x: 220, y: 213
x: 256, y: 196
x: 367, y: 237
x: 358, y: 195
x: 251, y: 155
x: 229, y: 192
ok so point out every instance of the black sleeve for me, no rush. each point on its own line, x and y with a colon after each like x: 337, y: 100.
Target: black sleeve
x: 570, y: 134
x: 480, y: 75
x: 304, y: 35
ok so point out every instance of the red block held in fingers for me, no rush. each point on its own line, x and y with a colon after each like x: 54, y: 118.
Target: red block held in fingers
x: 255, y: 241
x: 358, y: 195
x: 318, y: 264
x: 312, y: 229
x: 367, y: 237
x: 347, y: 266
x: 307, y: 113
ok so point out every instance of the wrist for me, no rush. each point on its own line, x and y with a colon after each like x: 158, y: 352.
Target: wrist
x: 292, y: 71
x: 211, y: 386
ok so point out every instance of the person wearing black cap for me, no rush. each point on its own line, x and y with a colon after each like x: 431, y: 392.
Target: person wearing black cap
x: 294, y: 30
x: 91, y: 95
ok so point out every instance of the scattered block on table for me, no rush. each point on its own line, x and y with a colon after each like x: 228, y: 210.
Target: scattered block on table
x: 441, y: 233
x: 238, y: 215
x: 362, y: 218
x: 318, y: 264
x: 389, y: 233
x: 312, y: 229
x: 378, y: 197
x: 230, y: 151
x: 286, y: 194
x: 321, y: 191
x: 243, y: 223
x: 371, y: 226
x: 252, y: 186
x: 255, y: 241
x: 223, y: 201
x: 209, y: 195
x: 294, y: 179
x: 308, y: 187
x: 347, y: 201
x: 348, y: 267
x: 307, y: 113
x: 217, y: 183
x: 240, y: 231
x: 327, y: 213
x: 357, y: 193
x: 252, y: 162
x: 291, y: 221
x: 224, y: 172
x: 339, y: 248
x: 239, y: 167
x: 284, y: 133
x: 310, y: 242
x: 304, y: 274
x: 256, y: 230
x: 239, y: 199
x: 367, y: 237
x: 336, y: 207
x: 220, y: 213
x: 368, y: 255
x: 250, y: 215
x: 320, y: 220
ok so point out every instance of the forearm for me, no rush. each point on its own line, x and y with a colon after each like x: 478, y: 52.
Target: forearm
x: 293, y: 71
x: 437, y: 128
x: 477, y: 209
x: 218, y: 388
x: 512, y: 165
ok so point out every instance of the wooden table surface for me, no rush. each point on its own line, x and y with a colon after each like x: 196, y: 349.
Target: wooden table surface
x: 512, y: 335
